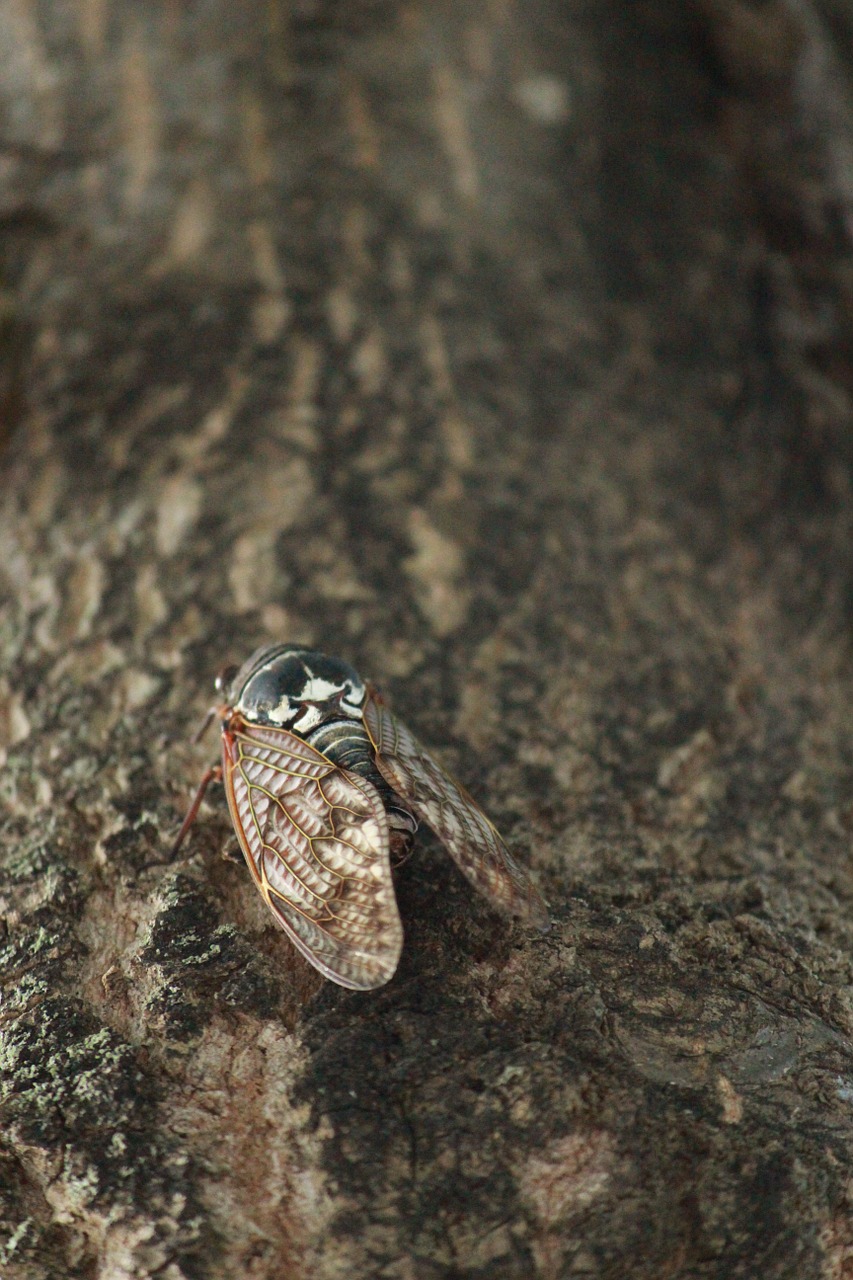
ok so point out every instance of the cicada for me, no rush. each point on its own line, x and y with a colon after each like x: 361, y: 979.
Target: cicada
x: 326, y: 788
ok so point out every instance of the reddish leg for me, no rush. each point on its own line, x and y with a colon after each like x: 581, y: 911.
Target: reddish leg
x: 205, y: 724
x: 402, y: 845
x: 214, y: 774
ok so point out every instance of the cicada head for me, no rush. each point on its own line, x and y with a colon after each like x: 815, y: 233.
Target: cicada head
x: 294, y: 688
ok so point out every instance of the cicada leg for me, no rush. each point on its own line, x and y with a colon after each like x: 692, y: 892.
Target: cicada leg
x: 214, y: 774
x: 402, y: 847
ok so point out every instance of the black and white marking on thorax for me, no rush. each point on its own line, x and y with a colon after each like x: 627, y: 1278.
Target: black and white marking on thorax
x: 321, y: 699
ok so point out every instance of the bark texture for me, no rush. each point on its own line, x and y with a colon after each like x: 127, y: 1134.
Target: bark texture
x: 505, y: 350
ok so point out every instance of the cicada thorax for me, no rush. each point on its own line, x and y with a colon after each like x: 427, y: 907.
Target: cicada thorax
x: 347, y: 744
x: 320, y: 700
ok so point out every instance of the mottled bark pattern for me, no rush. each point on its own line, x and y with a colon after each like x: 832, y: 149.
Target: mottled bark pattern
x: 504, y: 350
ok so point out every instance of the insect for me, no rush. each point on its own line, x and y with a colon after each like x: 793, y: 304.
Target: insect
x: 325, y: 787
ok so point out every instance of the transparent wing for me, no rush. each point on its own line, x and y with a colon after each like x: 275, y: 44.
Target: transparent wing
x: 316, y: 841
x: 469, y: 837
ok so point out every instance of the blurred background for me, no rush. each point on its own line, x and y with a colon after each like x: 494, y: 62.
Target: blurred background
x: 504, y: 351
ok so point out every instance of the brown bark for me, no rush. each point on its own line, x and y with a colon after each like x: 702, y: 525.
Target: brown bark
x: 505, y: 351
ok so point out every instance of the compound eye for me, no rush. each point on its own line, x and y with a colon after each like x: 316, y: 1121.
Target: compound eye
x: 223, y: 681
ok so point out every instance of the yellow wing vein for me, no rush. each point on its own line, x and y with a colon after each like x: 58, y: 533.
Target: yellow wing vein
x: 275, y: 768
x: 269, y: 890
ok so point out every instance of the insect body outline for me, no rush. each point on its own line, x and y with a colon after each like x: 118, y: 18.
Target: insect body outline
x: 326, y: 786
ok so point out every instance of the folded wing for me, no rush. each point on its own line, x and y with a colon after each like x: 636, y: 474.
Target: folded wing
x: 466, y: 832
x: 315, y: 838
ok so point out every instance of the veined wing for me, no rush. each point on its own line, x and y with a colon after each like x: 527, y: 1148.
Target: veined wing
x: 316, y: 841
x: 467, y: 834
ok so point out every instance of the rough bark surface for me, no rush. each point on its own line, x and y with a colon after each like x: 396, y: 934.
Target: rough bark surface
x: 505, y: 350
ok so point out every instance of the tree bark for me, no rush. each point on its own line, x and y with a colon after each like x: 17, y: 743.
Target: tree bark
x: 505, y: 351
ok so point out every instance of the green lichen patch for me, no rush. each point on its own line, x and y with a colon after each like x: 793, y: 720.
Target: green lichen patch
x: 75, y: 1096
